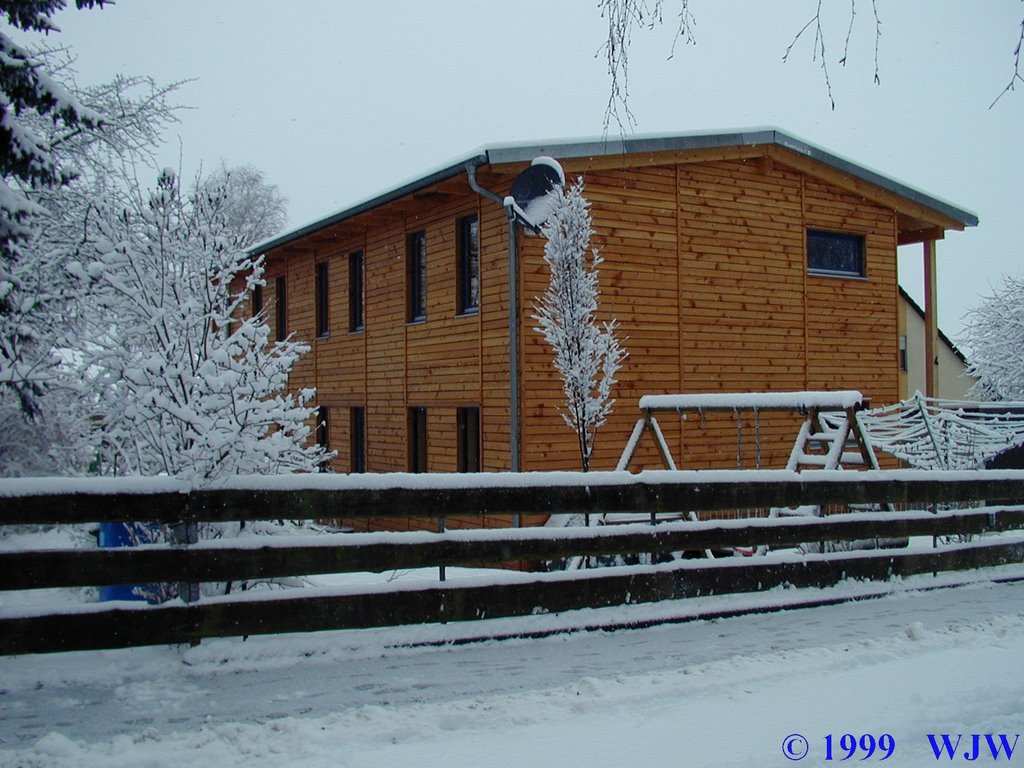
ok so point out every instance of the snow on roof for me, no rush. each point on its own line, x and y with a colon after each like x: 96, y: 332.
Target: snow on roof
x: 604, y: 146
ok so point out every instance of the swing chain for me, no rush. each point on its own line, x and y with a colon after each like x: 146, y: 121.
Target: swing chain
x: 739, y: 438
x: 757, y: 438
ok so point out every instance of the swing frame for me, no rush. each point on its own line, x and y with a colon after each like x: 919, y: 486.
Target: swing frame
x: 808, y: 403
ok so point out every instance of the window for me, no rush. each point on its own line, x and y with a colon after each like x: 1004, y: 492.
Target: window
x: 355, y: 292
x: 281, y: 290
x: 416, y: 260
x: 468, y: 258
x: 257, y: 299
x: 903, y: 354
x: 832, y: 253
x: 417, y: 439
x: 357, y: 439
x: 323, y: 433
x: 469, y: 439
x: 322, y: 289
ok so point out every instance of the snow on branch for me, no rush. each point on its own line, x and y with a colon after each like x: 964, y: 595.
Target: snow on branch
x: 586, y: 353
x: 994, y: 335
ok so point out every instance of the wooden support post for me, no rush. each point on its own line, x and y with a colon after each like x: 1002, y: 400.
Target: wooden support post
x: 931, y: 322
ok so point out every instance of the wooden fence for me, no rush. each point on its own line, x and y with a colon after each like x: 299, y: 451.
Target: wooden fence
x: 329, y: 497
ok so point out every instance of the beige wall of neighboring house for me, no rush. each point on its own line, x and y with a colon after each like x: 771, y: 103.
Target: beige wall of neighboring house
x: 954, y: 383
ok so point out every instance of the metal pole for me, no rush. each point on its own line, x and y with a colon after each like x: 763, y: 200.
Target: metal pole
x: 513, y: 339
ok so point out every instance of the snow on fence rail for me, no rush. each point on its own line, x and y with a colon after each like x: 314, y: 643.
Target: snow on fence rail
x: 119, y: 625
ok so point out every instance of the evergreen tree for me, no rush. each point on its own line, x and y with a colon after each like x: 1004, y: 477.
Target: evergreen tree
x: 27, y: 90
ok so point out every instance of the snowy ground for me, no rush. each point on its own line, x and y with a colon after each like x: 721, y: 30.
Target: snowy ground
x: 710, y: 693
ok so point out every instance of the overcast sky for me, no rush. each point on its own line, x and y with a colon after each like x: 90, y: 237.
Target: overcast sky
x: 337, y: 101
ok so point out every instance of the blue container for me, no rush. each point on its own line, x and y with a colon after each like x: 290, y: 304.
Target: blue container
x: 123, y: 535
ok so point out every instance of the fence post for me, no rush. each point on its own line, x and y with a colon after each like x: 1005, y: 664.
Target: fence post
x: 183, y: 533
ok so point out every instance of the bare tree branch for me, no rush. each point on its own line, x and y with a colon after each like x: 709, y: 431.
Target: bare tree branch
x: 623, y: 16
x: 818, y: 48
x: 1016, y: 68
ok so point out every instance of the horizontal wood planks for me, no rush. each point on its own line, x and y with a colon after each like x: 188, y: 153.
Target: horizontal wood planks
x: 705, y: 269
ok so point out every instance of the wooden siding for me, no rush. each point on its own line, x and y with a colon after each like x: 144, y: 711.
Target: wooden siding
x: 705, y: 268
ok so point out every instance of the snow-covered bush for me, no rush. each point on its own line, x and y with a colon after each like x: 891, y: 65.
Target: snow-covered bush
x: 586, y: 353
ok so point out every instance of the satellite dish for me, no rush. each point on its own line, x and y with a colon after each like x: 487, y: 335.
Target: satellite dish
x: 531, y: 190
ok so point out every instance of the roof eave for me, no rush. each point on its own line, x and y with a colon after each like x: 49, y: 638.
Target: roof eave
x: 517, y: 153
x: 443, y: 174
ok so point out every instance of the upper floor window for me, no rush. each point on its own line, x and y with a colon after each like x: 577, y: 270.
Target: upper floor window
x: 281, y: 299
x: 355, y: 292
x: 416, y: 274
x: 322, y: 290
x: 468, y: 265
x: 834, y: 253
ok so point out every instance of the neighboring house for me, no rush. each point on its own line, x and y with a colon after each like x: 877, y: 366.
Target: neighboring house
x: 734, y: 262
x: 953, y: 382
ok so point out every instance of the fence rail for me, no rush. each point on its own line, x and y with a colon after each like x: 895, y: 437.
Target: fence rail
x: 378, y: 496
x: 115, y: 625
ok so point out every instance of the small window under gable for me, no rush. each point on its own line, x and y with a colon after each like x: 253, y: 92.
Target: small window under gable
x: 835, y: 253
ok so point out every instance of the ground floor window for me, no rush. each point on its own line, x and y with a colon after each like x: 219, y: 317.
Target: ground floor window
x: 468, y: 420
x: 323, y: 433
x: 418, y: 439
x: 357, y: 440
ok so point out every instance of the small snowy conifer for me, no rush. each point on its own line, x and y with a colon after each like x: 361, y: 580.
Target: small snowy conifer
x: 995, y: 337
x: 586, y: 353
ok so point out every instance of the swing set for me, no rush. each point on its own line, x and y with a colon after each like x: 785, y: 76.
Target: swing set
x: 830, y: 437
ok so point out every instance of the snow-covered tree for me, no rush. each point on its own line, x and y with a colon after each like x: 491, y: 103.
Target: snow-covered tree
x: 188, y: 384
x: 586, y: 353
x: 994, y: 334
x: 26, y: 88
x: 41, y: 409
x: 27, y: 91
x: 254, y: 208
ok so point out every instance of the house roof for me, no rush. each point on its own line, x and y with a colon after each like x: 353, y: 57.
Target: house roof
x: 504, y: 154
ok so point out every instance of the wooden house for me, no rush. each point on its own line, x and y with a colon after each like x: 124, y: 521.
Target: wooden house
x: 734, y: 262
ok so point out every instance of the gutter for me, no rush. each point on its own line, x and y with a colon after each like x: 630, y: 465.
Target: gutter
x: 513, y: 316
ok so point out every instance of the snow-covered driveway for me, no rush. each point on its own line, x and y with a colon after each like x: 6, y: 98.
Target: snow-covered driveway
x: 719, y: 693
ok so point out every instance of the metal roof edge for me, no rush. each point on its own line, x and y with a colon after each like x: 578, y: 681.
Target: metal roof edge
x: 442, y: 174
x: 513, y: 153
x: 840, y: 163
